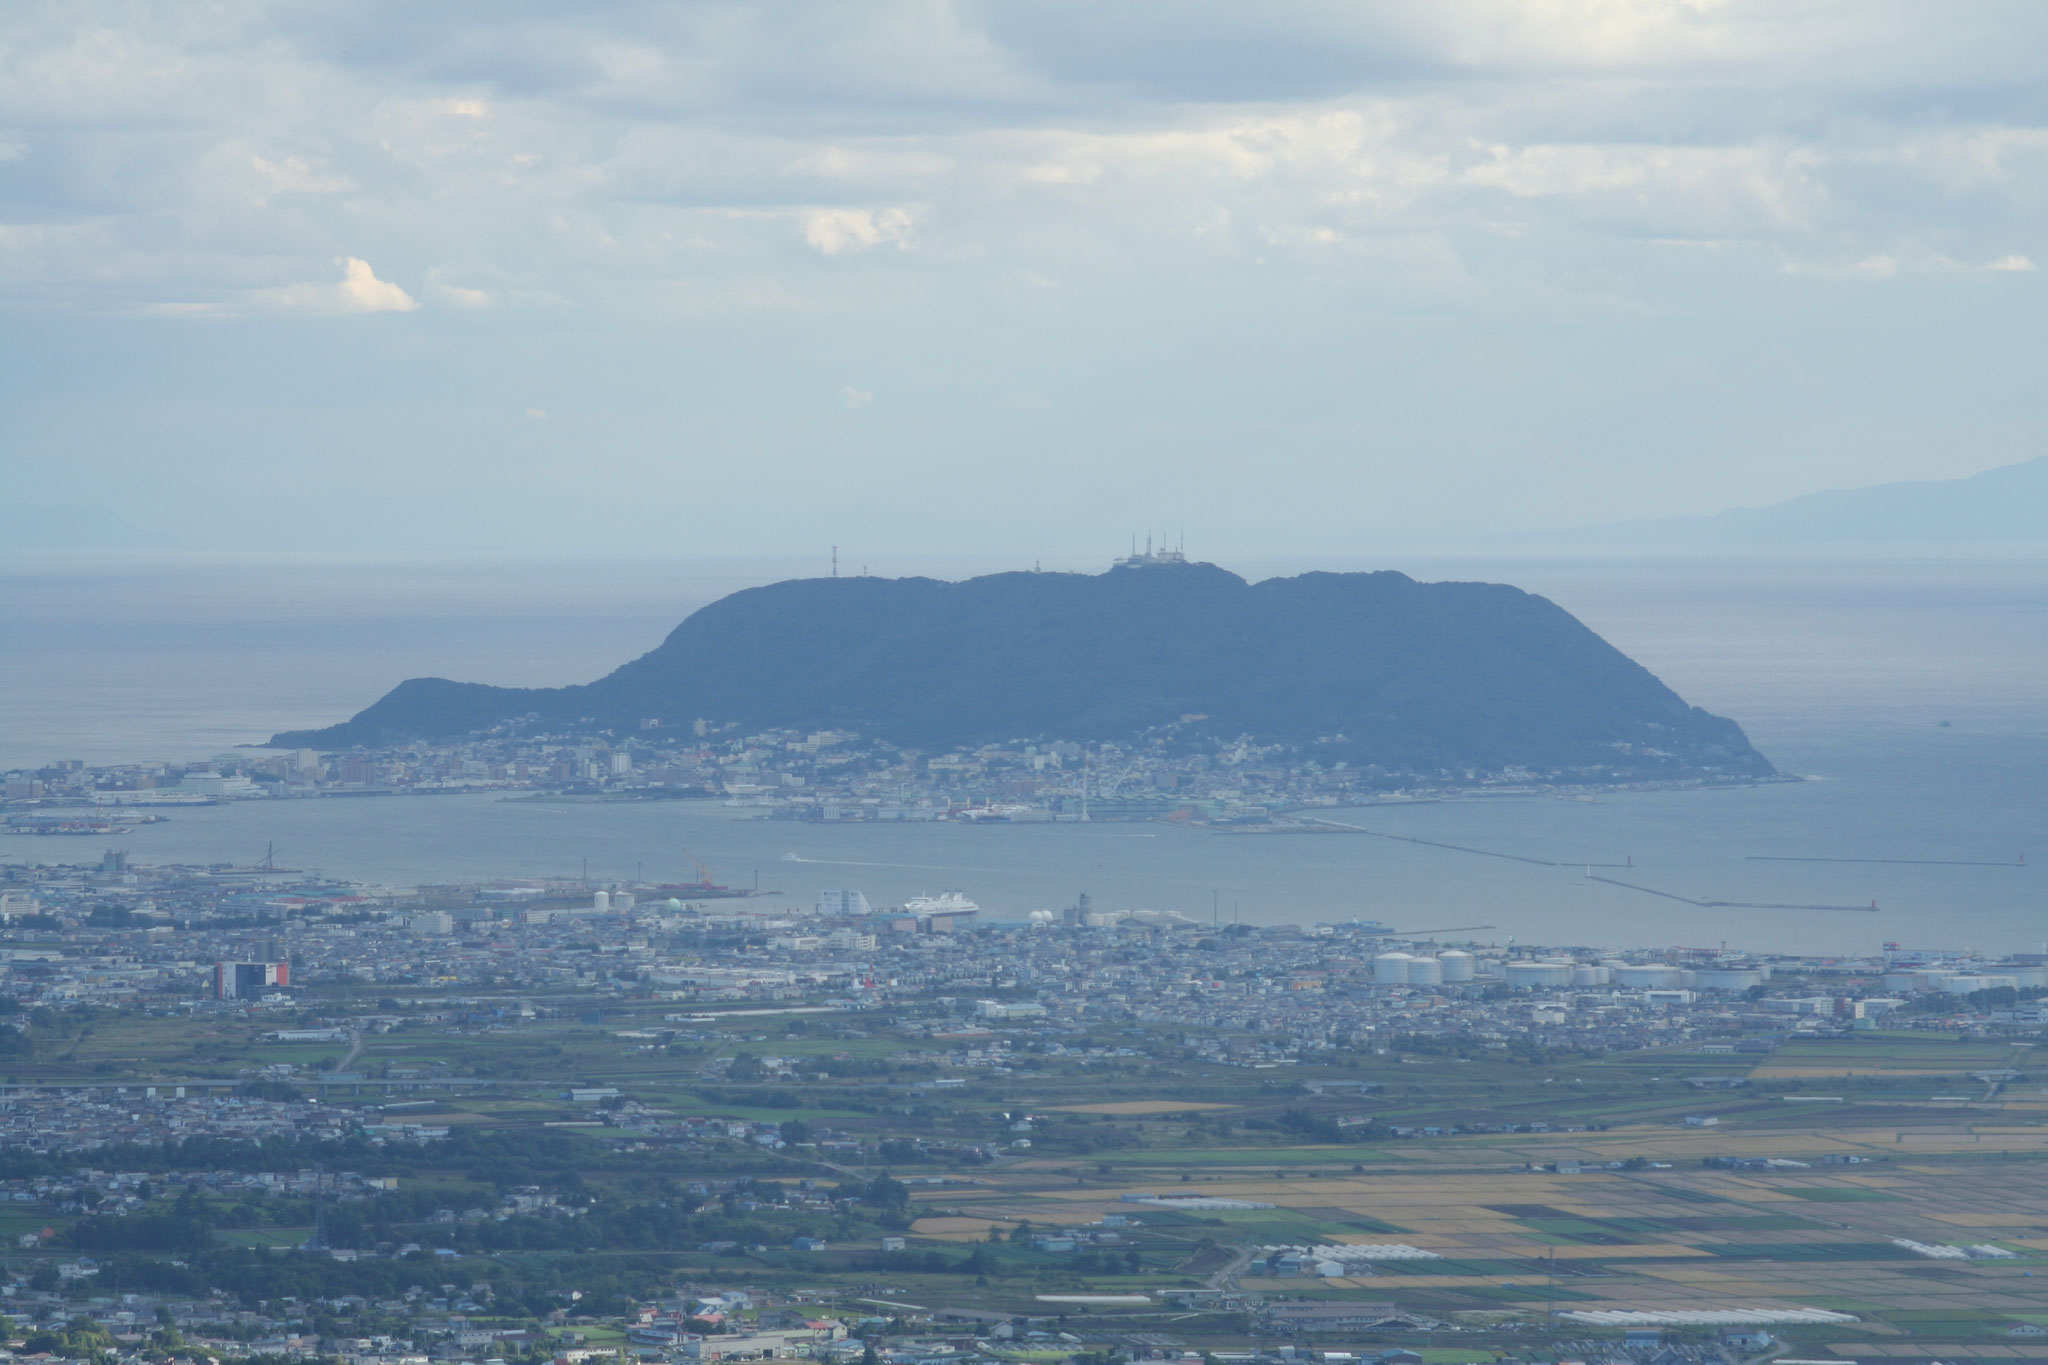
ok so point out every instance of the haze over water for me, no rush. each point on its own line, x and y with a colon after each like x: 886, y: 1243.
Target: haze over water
x: 1840, y: 671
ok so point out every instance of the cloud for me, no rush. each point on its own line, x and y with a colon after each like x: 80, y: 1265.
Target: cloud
x: 460, y: 296
x: 1035, y: 137
x: 358, y: 291
x: 1271, y: 227
x: 296, y: 175
x: 536, y: 414
x: 834, y: 231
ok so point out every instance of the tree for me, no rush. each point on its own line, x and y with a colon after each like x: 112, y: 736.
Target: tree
x: 886, y: 1192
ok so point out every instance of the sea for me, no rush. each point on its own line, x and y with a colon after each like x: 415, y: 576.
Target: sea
x: 1908, y: 696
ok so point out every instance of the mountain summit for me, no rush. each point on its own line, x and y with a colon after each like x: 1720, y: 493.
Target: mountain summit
x: 1373, y: 669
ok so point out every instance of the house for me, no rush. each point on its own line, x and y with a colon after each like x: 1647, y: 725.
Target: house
x: 750, y: 1346
x: 1316, y: 1315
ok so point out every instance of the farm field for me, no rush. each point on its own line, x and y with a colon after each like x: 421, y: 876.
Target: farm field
x: 1692, y: 1238
x: 1900, y: 1178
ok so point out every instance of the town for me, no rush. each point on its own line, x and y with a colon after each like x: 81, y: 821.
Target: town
x: 825, y: 775
x: 249, y: 1113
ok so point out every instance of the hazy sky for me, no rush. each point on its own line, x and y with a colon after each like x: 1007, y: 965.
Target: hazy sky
x: 711, y: 277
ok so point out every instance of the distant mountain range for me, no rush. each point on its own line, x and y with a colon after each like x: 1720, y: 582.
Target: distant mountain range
x: 1368, y: 668
x: 2007, y: 505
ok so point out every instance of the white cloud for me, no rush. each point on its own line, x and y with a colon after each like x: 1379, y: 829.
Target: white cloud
x: 296, y: 175
x: 834, y: 231
x: 856, y: 398
x: 536, y: 414
x: 358, y: 291
x: 2013, y: 264
x: 868, y: 165
x: 461, y: 297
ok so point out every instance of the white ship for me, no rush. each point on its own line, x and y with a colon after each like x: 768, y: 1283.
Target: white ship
x: 945, y: 903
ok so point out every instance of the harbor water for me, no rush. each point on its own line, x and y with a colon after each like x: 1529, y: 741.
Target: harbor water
x: 1907, y: 695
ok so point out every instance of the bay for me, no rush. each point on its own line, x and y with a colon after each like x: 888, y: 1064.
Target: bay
x: 1842, y: 671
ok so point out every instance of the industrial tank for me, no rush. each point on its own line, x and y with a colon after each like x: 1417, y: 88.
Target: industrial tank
x: 1425, y: 971
x: 1539, y: 975
x: 1457, y: 965
x: 1391, y: 969
x: 1724, y: 978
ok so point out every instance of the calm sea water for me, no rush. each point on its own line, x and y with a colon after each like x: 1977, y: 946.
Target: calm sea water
x: 1842, y: 672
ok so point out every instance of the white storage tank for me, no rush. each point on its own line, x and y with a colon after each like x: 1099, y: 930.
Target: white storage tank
x: 1591, y: 974
x: 1425, y: 971
x: 1457, y: 964
x: 1539, y: 975
x: 1647, y: 976
x: 1725, y: 978
x: 1391, y: 969
x: 601, y: 901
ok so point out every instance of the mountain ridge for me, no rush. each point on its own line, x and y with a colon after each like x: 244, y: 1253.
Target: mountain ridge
x: 2004, y: 505
x: 1370, y: 668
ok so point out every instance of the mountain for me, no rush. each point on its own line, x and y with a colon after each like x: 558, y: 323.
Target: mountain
x: 1372, y: 667
x: 2007, y: 505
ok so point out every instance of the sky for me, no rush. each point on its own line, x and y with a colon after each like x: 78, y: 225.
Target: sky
x: 947, y: 277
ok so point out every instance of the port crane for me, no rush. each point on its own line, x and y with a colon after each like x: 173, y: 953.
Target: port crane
x: 703, y: 872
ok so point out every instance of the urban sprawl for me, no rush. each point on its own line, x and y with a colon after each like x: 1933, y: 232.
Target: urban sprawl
x: 827, y: 775
x: 247, y: 1113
